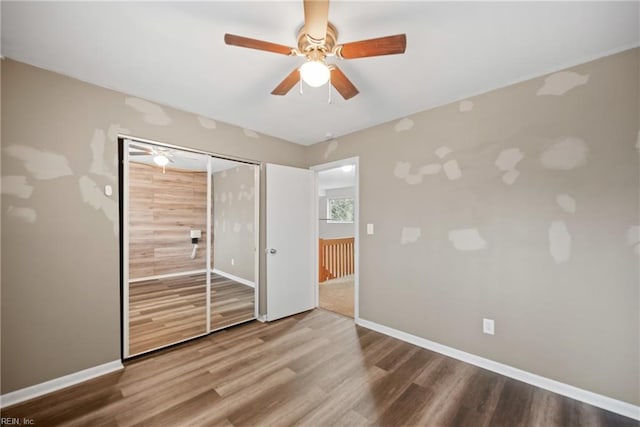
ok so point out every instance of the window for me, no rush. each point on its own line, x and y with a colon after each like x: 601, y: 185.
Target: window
x: 340, y: 209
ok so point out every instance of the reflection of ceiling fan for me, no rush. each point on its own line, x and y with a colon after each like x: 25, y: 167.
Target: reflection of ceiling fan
x: 161, y: 156
x: 317, y: 40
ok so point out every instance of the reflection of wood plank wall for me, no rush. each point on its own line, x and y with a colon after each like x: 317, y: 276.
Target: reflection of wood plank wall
x: 163, y: 208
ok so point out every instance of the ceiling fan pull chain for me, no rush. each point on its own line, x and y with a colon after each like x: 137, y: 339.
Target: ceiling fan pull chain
x: 301, y: 92
x: 329, y: 102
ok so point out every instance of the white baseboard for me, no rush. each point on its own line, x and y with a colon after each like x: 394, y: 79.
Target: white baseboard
x: 58, y: 383
x: 168, y: 275
x: 234, y: 278
x: 604, y: 402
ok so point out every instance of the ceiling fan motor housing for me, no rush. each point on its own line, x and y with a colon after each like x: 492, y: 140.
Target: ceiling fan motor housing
x: 307, y: 45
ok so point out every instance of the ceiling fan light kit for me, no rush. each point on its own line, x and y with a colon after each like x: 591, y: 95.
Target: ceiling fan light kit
x: 160, y: 156
x: 315, y: 73
x: 317, y: 40
x: 161, y: 160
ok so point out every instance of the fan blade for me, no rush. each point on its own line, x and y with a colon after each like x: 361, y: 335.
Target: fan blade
x: 140, y: 153
x: 316, y: 19
x: 389, y: 45
x: 139, y: 147
x: 342, y: 84
x: 285, y: 86
x: 234, y: 40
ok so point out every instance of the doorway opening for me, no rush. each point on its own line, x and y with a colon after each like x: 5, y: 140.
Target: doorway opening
x: 189, y: 224
x: 337, y: 236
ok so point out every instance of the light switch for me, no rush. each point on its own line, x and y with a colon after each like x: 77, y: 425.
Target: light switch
x: 370, y: 229
x: 488, y: 326
x: 108, y: 190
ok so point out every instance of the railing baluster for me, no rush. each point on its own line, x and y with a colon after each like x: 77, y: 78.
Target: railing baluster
x: 336, y: 258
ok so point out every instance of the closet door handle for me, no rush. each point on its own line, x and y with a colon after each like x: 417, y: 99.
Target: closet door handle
x: 272, y: 251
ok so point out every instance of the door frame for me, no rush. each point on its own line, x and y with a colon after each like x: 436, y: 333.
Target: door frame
x: 356, y: 228
x: 123, y: 145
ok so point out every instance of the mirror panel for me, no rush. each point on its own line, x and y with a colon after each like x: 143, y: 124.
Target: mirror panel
x: 167, y: 272
x: 233, y: 251
x: 191, y: 227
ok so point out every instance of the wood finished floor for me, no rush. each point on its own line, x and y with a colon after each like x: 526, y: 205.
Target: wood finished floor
x: 231, y: 302
x: 165, y: 311
x: 312, y: 369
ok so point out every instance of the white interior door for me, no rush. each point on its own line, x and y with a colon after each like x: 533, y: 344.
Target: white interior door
x: 290, y: 246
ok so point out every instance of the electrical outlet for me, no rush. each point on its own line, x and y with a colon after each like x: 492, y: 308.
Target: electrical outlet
x: 488, y: 326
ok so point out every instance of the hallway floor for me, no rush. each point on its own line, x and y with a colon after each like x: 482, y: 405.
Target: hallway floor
x: 337, y: 295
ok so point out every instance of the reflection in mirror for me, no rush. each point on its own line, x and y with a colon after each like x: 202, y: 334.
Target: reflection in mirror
x: 184, y: 207
x: 167, y: 272
x: 233, y: 256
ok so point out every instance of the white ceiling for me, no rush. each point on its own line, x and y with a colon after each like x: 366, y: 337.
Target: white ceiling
x: 173, y: 53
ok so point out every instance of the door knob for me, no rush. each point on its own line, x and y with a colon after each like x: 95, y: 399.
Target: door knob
x: 272, y: 251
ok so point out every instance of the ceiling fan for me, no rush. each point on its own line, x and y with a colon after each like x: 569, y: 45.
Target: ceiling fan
x: 161, y: 156
x: 317, y: 40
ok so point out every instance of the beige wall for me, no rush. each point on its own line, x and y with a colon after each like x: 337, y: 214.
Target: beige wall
x: 233, y: 221
x: 60, y: 275
x: 527, y: 217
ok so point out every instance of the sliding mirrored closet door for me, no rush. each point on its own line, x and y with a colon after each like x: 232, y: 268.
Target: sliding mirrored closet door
x: 167, y: 272
x: 234, y: 242
x: 189, y: 223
